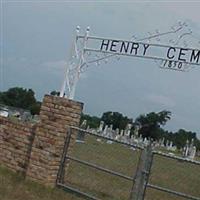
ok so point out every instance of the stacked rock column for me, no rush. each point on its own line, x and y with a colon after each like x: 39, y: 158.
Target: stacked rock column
x: 56, y: 115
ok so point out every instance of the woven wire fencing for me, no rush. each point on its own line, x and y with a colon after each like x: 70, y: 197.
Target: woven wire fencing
x: 101, y: 167
x: 180, y: 178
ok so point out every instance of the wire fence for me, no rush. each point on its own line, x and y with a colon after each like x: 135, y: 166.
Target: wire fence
x: 173, y: 178
x: 103, y: 168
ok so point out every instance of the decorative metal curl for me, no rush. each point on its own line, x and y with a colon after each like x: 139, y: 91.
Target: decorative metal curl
x: 80, y: 60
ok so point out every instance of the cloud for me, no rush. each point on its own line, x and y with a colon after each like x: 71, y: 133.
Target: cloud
x: 40, y: 50
x: 187, y: 10
x: 161, y: 100
x: 59, y: 66
x: 55, y: 65
x: 181, y: 120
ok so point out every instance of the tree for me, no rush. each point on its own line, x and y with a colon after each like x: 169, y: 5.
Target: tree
x: 35, y: 108
x: 20, y: 98
x: 182, y: 136
x: 92, y: 121
x: 116, y: 119
x: 55, y: 93
x: 151, y: 123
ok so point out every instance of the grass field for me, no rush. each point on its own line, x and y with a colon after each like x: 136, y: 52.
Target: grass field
x: 172, y: 174
x: 14, y: 187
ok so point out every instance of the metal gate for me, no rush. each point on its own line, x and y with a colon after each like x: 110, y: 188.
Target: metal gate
x: 101, y: 167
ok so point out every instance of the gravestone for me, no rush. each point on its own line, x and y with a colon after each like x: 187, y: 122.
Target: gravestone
x: 136, y: 130
x: 186, y: 149
x: 192, y: 150
x: 128, y: 129
x: 110, y: 134
x: 100, y: 129
x: 127, y: 133
x: 170, y: 146
x: 193, y: 153
x: 117, y: 135
x: 189, y: 151
x: 140, y: 140
x: 162, y: 142
x: 105, y: 130
x: 146, y: 142
x: 117, y: 131
x: 81, y: 135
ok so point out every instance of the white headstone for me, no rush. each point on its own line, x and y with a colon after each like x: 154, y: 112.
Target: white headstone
x: 109, y: 142
x: 117, y: 131
x: 128, y: 129
x: 140, y: 140
x: 105, y: 130
x: 163, y: 142
x: 81, y: 134
x: 101, y: 126
x: 192, y: 153
x: 145, y: 141
x: 136, y: 130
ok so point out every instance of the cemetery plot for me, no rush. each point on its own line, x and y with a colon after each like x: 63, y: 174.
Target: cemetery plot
x: 106, y: 153
x: 176, y: 175
x: 152, y: 194
x: 97, y: 183
x: 107, y: 164
x: 101, y: 167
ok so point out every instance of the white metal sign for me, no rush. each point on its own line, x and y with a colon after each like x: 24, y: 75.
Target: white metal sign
x: 173, y: 57
x: 146, y: 50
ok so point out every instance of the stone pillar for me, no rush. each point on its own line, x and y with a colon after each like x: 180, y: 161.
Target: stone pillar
x: 56, y: 115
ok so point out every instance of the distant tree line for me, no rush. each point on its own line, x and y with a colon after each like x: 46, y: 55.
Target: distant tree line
x: 21, y: 98
x: 151, y: 124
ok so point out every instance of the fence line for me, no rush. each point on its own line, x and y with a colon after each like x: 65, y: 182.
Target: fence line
x: 172, y: 192
x: 140, y: 180
x: 176, y: 157
x: 107, y: 138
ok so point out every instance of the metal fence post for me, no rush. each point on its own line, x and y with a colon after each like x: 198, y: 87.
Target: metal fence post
x: 61, y: 171
x: 142, y: 174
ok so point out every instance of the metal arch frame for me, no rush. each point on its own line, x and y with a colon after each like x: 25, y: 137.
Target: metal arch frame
x: 80, y: 58
x: 73, y: 70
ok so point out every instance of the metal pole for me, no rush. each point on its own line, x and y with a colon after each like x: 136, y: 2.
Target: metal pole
x: 61, y: 171
x: 80, y: 63
x: 66, y: 74
x: 142, y: 174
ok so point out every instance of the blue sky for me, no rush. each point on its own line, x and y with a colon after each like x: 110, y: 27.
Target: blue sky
x: 36, y: 37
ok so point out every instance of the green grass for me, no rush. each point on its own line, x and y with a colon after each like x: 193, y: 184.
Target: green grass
x: 113, y: 157
x: 172, y: 174
x: 14, y: 187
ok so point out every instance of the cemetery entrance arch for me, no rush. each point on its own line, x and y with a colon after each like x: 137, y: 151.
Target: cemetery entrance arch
x: 170, y: 57
x: 87, y: 50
